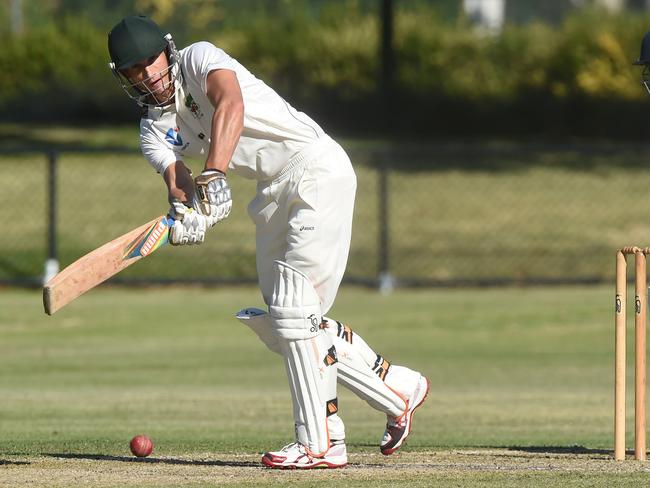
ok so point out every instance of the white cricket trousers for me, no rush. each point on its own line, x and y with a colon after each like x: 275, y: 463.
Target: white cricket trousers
x: 303, y: 216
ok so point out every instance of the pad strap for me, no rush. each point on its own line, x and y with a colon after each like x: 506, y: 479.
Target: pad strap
x: 363, y: 371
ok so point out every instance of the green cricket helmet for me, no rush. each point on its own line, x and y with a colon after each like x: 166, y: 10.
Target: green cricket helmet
x: 135, y: 39
x: 644, y: 60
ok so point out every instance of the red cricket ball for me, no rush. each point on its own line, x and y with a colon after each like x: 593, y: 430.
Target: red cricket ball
x: 141, y: 445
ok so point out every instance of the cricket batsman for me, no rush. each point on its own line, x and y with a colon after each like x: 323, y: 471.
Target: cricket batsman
x: 199, y: 102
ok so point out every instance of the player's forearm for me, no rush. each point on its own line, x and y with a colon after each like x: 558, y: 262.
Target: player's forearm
x: 179, y: 182
x: 227, y: 125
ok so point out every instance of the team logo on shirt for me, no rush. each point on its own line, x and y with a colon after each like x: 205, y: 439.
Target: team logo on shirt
x: 193, y: 106
x: 173, y: 137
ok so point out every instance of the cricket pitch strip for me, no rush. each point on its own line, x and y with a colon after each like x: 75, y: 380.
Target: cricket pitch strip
x: 537, y: 466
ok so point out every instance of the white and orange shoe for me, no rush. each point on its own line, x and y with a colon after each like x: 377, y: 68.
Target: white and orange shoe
x: 398, y: 428
x: 295, y: 456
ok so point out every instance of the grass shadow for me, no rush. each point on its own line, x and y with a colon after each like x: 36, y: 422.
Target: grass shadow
x: 560, y: 450
x: 131, y: 459
x: 528, y: 449
x: 5, y: 462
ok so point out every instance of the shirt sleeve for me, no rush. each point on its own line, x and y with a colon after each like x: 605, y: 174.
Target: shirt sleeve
x: 203, y: 57
x: 155, y: 150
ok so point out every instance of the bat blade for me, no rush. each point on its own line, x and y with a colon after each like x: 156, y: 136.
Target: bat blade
x: 102, y: 263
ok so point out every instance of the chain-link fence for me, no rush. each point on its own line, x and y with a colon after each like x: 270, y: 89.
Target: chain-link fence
x: 425, y: 215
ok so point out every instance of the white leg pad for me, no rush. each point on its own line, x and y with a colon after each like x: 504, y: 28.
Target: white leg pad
x: 295, y: 306
x: 260, y: 322
x: 311, y: 368
x: 360, y: 369
x: 309, y: 355
x: 365, y: 372
x: 403, y: 380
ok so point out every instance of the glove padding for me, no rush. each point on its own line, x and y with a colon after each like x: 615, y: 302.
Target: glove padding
x: 189, y: 225
x: 213, y: 195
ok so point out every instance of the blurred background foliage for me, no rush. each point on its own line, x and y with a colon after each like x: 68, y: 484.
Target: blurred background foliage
x: 562, y: 73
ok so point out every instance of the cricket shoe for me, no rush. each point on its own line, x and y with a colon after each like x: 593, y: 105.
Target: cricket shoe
x: 398, y: 428
x: 295, y: 456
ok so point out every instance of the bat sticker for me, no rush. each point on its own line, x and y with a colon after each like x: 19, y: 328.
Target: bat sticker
x: 150, y: 240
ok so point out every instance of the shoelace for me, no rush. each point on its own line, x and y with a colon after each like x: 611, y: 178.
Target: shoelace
x: 288, y: 447
x: 396, y: 422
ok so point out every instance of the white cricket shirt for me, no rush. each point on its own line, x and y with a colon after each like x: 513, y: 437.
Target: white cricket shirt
x: 273, y: 132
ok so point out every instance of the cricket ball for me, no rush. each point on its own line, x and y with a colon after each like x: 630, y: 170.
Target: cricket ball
x: 141, y: 445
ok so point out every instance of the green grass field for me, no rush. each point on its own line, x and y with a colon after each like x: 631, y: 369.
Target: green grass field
x: 521, y: 390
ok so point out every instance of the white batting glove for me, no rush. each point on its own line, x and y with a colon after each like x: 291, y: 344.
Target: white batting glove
x: 189, y: 225
x: 213, y: 194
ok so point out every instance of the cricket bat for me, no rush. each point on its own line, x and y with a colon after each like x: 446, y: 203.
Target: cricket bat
x: 102, y: 263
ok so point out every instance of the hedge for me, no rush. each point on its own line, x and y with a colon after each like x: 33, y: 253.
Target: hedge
x: 567, y: 80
